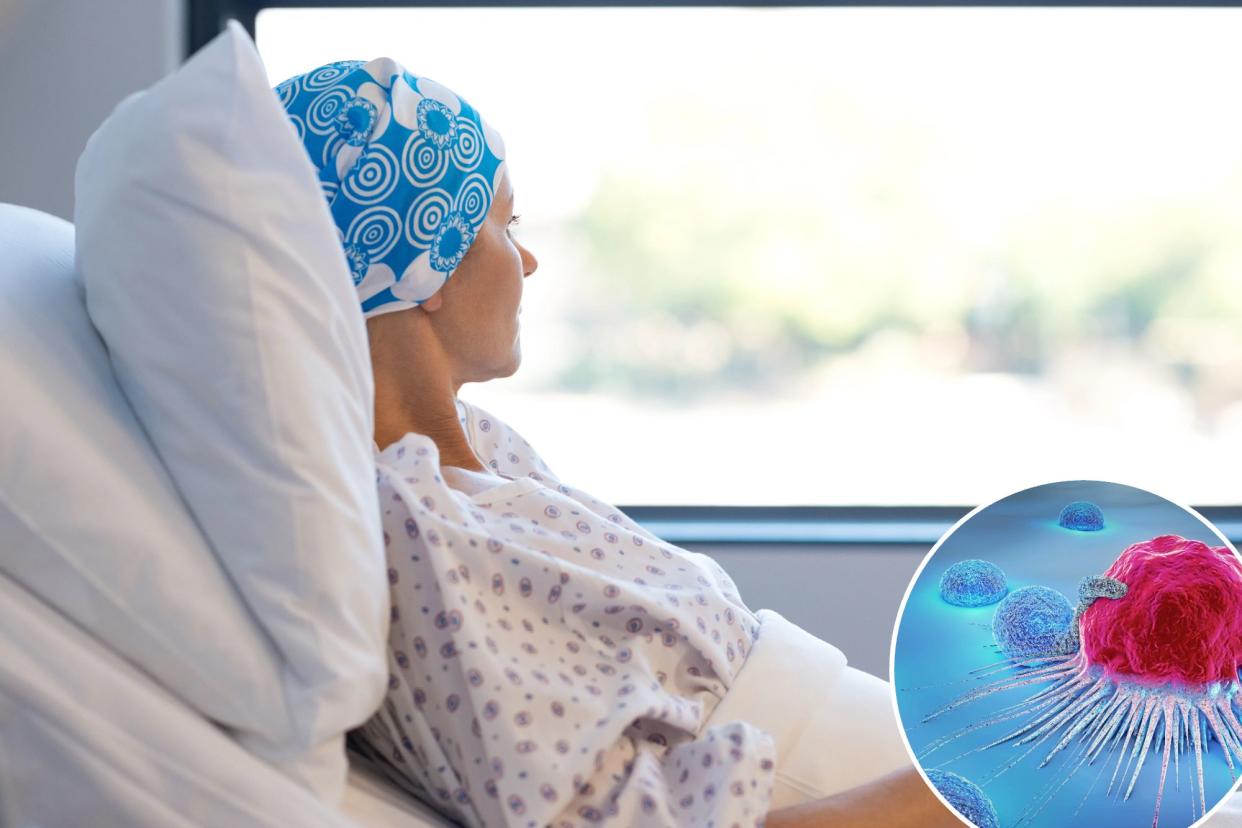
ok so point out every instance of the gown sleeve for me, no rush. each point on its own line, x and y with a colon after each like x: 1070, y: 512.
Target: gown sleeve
x: 495, y: 732
x: 494, y: 738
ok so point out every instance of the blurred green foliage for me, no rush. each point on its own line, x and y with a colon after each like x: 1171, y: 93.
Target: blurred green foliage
x: 743, y: 240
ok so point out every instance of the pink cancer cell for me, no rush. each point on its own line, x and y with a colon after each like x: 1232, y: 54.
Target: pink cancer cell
x: 1180, y: 621
x: 1156, y: 673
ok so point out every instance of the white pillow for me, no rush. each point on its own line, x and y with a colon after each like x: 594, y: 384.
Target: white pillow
x: 90, y: 521
x: 214, y: 273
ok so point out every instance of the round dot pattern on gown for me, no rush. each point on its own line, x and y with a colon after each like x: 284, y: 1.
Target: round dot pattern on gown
x: 552, y: 662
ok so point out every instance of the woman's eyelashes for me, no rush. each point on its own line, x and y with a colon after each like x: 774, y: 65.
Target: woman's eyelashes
x: 514, y: 220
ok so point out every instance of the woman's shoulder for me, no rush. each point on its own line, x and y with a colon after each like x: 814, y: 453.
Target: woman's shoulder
x: 500, y: 446
x: 503, y: 449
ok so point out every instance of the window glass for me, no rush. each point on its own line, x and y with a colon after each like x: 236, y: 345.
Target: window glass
x: 855, y: 255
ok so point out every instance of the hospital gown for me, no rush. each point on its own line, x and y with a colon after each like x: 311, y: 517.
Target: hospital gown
x: 551, y: 661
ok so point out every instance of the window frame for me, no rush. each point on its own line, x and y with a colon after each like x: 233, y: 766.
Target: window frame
x: 732, y: 525
x: 206, y: 18
x: 836, y: 525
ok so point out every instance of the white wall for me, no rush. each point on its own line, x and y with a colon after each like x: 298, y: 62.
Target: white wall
x: 64, y: 65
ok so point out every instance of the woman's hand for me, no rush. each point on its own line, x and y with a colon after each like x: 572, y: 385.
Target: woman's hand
x: 900, y: 799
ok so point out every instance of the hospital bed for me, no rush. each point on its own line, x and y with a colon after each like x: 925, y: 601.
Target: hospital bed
x: 87, y: 738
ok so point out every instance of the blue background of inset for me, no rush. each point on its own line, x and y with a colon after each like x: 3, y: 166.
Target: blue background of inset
x: 938, y: 645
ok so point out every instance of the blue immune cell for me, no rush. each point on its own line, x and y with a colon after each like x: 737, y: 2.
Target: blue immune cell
x: 967, y: 797
x: 1031, y: 620
x: 973, y: 583
x: 1082, y: 516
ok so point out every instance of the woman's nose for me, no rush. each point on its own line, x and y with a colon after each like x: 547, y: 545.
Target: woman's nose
x: 529, y: 261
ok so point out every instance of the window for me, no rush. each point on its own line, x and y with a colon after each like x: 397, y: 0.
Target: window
x: 834, y: 256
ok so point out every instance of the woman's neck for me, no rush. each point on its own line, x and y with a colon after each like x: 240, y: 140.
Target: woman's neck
x: 431, y: 410
x: 416, y: 386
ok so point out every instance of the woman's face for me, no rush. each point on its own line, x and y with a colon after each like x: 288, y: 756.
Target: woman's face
x: 476, y: 312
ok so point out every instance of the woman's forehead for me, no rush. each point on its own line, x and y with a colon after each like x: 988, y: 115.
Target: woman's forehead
x: 504, y: 194
x: 504, y: 187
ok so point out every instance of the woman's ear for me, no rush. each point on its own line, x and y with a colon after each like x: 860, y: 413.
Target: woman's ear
x: 432, y: 303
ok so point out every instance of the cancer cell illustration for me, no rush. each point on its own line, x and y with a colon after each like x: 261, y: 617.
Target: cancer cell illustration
x: 1096, y: 705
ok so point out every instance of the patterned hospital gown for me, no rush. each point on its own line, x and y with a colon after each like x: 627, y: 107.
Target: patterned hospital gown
x: 552, y: 662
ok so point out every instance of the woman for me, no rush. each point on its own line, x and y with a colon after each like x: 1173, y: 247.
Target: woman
x: 553, y: 663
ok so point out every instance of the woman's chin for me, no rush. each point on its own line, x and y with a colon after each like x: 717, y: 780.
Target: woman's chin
x: 511, y: 367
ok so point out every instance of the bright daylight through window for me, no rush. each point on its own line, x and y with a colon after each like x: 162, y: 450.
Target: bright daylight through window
x: 855, y: 255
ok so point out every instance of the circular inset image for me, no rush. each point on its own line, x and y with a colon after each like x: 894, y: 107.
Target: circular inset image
x: 1069, y: 656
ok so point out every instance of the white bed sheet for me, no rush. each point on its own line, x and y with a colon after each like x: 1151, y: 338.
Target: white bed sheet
x: 87, y: 739
x: 372, y: 801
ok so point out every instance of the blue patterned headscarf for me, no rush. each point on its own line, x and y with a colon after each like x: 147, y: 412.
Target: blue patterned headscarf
x: 409, y: 170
